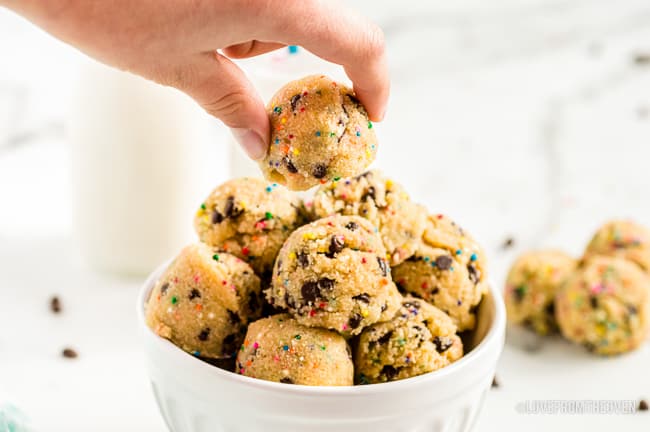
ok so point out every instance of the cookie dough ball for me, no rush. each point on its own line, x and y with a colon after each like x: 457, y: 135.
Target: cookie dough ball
x: 419, y: 339
x: 333, y: 273
x: 605, y: 306
x: 383, y: 202
x: 448, y: 270
x: 622, y: 238
x: 203, y: 301
x: 531, y: 286
x: 319, y: 131
x: 280, y: 349
x: 249, y: 218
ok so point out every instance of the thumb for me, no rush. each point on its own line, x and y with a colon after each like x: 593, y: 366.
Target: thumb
x: 223, y: 90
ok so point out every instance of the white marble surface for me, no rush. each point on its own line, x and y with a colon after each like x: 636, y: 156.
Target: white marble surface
x: 524, y: 119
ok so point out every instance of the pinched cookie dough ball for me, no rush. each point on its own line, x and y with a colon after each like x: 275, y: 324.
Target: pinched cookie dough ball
x: 383, y: 202
x: 280, y: 349
x: 622, y: 238
x: 419, y: 339
x: 333, y: 273
x: 249, y: 218
x: 203, y: 301
x: 448, y: 270
x: 605, y: 306
x: 319, y: 131
x: 531, y: 285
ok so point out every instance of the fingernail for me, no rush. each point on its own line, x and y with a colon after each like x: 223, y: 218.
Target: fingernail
x: 251, y: 142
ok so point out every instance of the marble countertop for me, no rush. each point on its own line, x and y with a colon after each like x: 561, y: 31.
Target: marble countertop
x: 523, y: 120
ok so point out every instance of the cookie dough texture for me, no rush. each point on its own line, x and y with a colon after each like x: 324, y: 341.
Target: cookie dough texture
x: 383, y: 202
x: 622, y: 238
x: 280, y: 349
x: 249, y: 218
x: 333, y: 273
x: 419, y: 339
x: 448, y: 270
x: 319, y: 131
x: 203, y: 302
x: 531, y: 285
x: 605, y: 306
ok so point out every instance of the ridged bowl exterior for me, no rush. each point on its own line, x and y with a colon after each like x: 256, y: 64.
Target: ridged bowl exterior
x: 194, y: 396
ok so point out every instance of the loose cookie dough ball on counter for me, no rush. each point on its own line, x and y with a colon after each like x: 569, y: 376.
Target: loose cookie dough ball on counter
x: 419, y: 339
x: 319, y: 131
x: 605, y: 306
x: 531, y: 285
x: 383, y: 202
x: 249, y: 218
x: 448, y: 270
x: 280, y: 349
x: 622, y: 238
x: 332, y: 273
x: 203, y: 301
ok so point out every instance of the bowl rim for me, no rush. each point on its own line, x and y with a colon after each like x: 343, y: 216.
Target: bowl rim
x: 496, y: 330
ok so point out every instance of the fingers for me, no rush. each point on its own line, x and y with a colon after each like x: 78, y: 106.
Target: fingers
x: 338, y: 35
x: 223, y: 90
x: 250, y: 49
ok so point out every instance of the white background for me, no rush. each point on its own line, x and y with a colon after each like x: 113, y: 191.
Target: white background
x: 524, y: 119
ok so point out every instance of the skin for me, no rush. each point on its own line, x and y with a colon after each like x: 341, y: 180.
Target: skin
x: 189, y: 44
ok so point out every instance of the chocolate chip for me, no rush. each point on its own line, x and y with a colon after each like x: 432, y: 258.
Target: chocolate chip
x: 290, y: 166
x: 355, y: 102
x: 411, y: 304
x: 55, y: 305
x: 194, y: 294
x: 435, y: 291
x: 164, y: 288
x: 352, y: 226
x: 385, y: 338
x: 443, y: 262
x: 319, y: 171
x: 589, y: 346
x: 362, y: 297
x: 203, y: 336
x: 550, y: 310
x: 593, y: 301
x: 69, y: 353
x: 326, y: 284
x: 216, y: 217
x: 495, y: 382
x: 230, y: 206
x: 508, y: 243
x: 642, y: 59
x: 294, y: 102
x: 382, y: 266
x: 233, y: 317
x: 336, y: 245
x: 473, y: 273
x: 286, y: 380
x: 370, y: 193
x: 384, y: 307
x: 355, y: 321
x: 389, y: 372
x: 442, y: 345
x: 643, y: 405
x: 310, y: 291
x: 303, y: 259
x: 632, y: 310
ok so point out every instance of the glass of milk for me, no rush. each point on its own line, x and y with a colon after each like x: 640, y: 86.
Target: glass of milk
x: 143, y: 156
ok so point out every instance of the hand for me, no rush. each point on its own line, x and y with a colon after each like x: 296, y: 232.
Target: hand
x: 175, y: 43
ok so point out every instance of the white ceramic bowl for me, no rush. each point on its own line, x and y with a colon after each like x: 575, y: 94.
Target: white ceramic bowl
x: 194, y: 396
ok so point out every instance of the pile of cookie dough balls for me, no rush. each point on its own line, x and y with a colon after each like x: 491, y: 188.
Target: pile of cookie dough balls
x: 356, y: 285
x: 601, y: 301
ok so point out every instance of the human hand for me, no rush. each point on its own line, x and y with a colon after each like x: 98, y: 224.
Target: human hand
x: 175, y: 43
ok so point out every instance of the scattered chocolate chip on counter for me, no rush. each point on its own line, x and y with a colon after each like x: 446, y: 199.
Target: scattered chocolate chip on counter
x: 643, y: 405
x: 508, y: 243
x: 55, y: 305
x: 69, y: 353
x: 642, y: 59
x: 495, y: 382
